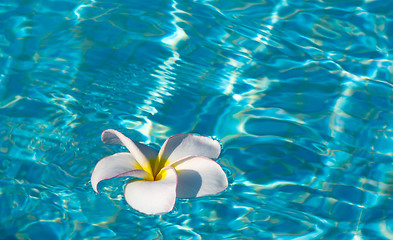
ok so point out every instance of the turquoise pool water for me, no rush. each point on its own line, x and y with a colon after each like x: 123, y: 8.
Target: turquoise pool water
x: 299, y: 93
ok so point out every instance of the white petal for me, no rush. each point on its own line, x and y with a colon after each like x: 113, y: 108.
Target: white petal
x: 142, y: 153
x: 153, y: 197
x: 116, y: 165
x: 183, y: 145
x: 149, y: 152
x: 199, y: 176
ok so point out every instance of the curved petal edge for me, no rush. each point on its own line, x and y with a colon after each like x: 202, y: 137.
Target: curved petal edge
x: 153, y: 197
x: 186, y: 144
x: 114, y: 137
x: 199, y: 176
x: 116, y: 165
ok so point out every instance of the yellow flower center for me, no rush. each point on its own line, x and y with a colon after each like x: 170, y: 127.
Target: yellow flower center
x: 157, y: 165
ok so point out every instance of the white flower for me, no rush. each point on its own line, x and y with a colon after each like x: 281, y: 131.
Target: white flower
x: 183, y: 168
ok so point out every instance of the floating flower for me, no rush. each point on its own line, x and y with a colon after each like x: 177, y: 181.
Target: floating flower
x: 183, y: 168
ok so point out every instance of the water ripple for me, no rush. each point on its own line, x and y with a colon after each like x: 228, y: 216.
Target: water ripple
x: 298, y: 92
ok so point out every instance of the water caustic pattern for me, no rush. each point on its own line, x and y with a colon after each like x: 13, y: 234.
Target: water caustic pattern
x: 298, y: 92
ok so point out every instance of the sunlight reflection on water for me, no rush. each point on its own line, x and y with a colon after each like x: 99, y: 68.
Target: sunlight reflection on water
x: 299, y: 94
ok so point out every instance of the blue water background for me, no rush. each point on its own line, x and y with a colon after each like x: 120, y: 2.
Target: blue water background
x: 298, y: 92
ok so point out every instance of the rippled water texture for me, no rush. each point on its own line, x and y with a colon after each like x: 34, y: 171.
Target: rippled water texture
x: 298, y: 92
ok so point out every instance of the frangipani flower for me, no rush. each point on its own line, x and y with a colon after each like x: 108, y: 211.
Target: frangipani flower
x: 183, y: 168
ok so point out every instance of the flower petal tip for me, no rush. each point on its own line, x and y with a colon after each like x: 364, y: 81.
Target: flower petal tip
x: 108, y: 136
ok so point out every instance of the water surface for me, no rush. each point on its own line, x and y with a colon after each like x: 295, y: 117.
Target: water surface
x: 298, y: 92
